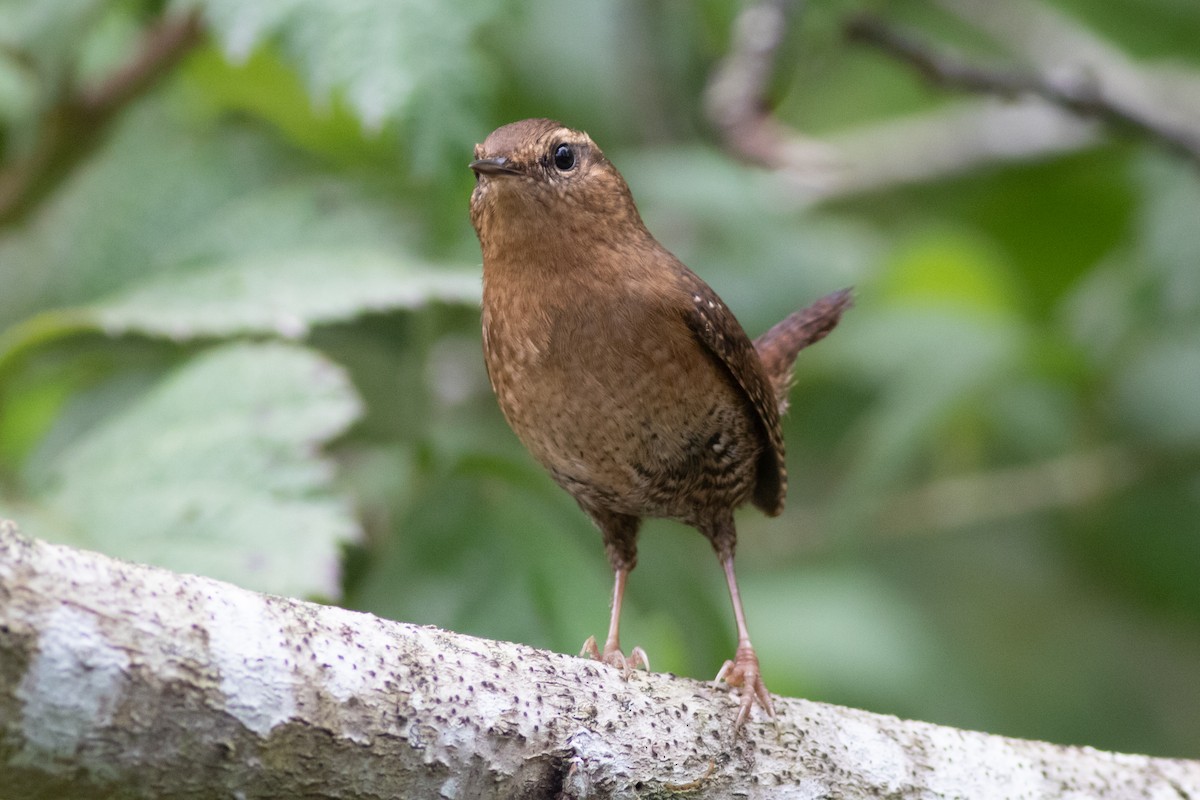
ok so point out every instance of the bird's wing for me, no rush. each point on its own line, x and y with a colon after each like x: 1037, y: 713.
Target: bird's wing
x: 718, y: 330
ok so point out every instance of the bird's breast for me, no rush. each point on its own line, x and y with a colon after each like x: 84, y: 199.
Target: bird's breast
x: 613, y: 394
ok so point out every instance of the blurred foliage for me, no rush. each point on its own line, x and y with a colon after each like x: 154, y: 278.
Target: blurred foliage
x: 238, y: 336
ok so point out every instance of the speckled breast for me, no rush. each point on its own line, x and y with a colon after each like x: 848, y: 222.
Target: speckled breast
x: 624, y: 407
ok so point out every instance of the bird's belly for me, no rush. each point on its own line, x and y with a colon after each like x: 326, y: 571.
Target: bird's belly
x: 639, y: 429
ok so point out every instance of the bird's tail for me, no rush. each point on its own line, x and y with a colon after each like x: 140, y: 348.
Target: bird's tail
x: 778, y: 347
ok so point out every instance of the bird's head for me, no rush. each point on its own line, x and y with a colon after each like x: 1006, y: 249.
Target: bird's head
x: 539, y: 177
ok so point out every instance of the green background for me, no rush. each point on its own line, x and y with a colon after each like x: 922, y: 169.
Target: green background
x: 239, y: 337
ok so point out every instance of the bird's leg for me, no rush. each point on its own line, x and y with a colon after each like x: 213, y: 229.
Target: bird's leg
x: 620, y: 539
x: 612, y: 654
x: 742, y: 671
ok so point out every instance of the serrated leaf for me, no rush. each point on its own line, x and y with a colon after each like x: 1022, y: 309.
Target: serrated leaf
x: 110, y: 225
x: 258, y: 242
x: 281, y: 294
x: 215, y: 471
x: 266, y: 87
x: 375, y: 52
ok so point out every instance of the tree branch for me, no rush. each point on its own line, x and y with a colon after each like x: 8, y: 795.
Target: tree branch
x: 737, y: 105
x: 961, y: 502
x: 1024, y: 114
x: 70, y: 127
x: 125, y: 680
x: 1081, y: 94
x: 925, y: 147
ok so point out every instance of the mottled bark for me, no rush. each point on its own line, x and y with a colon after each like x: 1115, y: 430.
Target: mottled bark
x: 119, y: 680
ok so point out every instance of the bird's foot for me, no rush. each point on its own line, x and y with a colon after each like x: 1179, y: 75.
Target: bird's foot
x: 613, y: 656
x: 743, y: 673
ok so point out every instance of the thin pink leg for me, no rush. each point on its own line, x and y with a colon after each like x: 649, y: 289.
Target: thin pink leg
x: 612, y: 654
x: 743, y: 670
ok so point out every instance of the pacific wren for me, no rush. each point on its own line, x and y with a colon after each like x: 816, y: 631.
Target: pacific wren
x: 621, y: 371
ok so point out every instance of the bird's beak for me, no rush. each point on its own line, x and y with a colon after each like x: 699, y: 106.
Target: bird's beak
x: 493, y: 166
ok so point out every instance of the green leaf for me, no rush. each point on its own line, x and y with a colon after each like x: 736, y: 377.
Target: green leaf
x: 1168, y: 235
x: 949, y: 269
x: 938, y: 370
x: 837, y: 629
x: 259, y: 242
x: 281, y: 293
x: 46, y: 33
x: 214, y: 471
x: 145, y: 191
x: 380, y: 54
x: 265, y: 86
x: 1157, y: 391
x: 491, y: 529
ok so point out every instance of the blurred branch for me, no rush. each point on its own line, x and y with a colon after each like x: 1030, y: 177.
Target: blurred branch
x: 70, y: 127
x: 1066, y: 482
x: 965, y: 502
x: 1027, y: 114
x: 949, y: 141
x: 1082, y: 93
x: 124, y: 680
x: 736, y: 99
x: 873, y: 157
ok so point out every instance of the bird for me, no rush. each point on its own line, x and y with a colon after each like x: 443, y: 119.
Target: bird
x: 621, y: 370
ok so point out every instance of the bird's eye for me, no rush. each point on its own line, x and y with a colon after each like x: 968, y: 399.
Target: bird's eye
x: 564, y: 157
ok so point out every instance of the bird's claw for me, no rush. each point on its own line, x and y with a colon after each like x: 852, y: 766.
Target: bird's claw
x: 615, y: 658
x: 742, y: 672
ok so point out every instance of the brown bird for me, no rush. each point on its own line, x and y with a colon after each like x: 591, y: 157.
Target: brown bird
x: 620, y: 369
